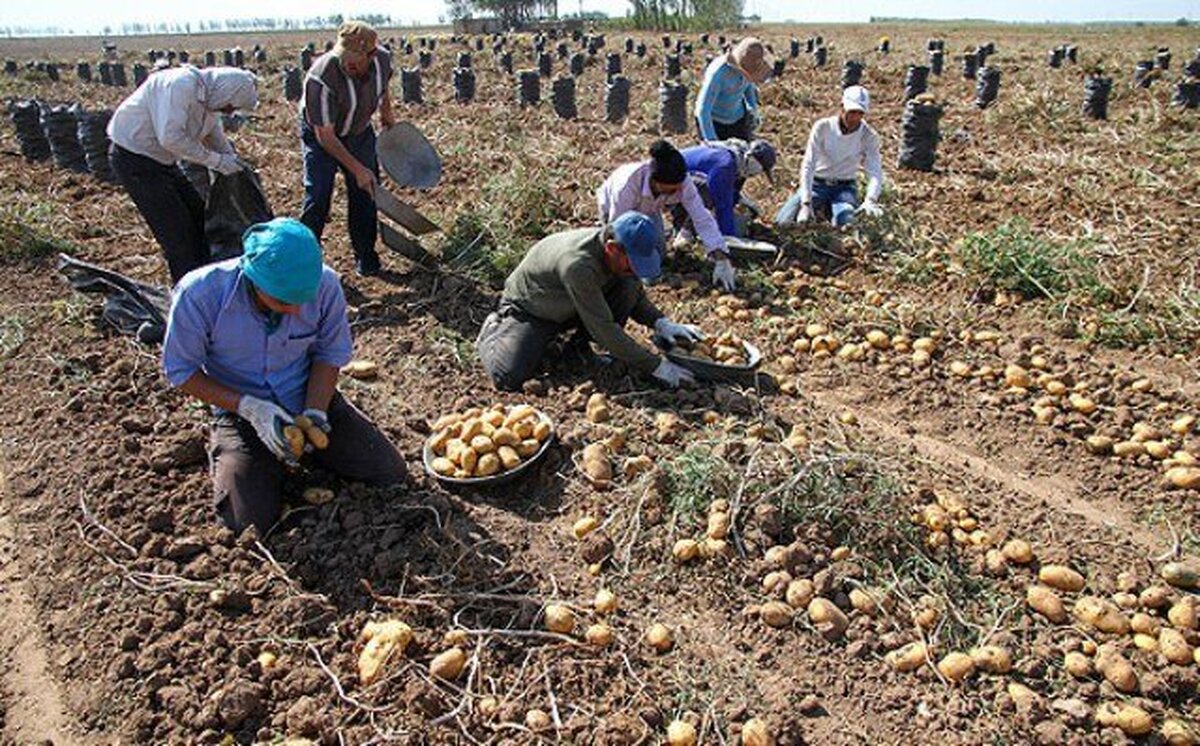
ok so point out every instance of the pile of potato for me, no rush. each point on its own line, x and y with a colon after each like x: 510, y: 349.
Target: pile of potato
x: 726, y: 349
x: 949, y: 520
x: 486, y: 442
x: 716, y: 533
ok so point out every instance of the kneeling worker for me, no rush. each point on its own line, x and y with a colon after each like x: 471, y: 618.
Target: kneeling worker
x: 261, y: 338
x: 591, y: 279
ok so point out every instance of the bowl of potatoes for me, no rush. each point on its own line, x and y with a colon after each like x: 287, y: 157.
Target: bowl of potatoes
x: 725, y: 358
x: 483, y: 446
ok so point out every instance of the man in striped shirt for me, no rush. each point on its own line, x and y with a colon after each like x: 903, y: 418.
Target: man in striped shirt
x: 342, y: 91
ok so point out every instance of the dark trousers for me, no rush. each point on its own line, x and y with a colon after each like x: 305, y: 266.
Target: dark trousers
x: 512, y: 343
x: 248, y: 479
x: 170, y: 204
x: 742, y: 129
x: 320, y: 168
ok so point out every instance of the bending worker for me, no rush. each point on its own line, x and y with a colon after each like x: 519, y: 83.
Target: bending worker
x: 342, y: 91
x: 652, y: 186
x: 588, y: 279
x: 175, y: 116
x: 837, y: 147
x: 722, y: 168
x: 727, y: 105
x: 261, y: 338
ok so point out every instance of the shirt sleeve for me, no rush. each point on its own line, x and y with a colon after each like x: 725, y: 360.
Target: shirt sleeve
x: 618, y: 198
x: 587, y: 296
x: 185, y: 346
x: 873, y: 165
x: 334, y: 345
x: 705, y: 101
x: 752, y: 97
x: 706, y: 224
x: 318, y: 102
x: 809, y: 168
x: 722, y: 187
x: 644, y: 311
x: 217, y: 141
x: 171, y: 114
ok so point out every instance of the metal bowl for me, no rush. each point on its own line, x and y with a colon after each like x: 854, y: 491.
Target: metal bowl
x: 747, y: 249
x: 710, y: 370
x: 427, y: 457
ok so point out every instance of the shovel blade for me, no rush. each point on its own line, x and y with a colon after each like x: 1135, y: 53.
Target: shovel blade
x: 403, y: 213
x: 405, y: 246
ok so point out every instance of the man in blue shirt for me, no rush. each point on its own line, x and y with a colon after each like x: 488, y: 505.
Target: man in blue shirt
x: 720, y: 170
x: 262, y: 338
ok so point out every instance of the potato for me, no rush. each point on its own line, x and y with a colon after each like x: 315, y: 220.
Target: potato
x: 995, y: 563
x: 439, y: 441
x: 541, y: 431
x: 1133, y: 721
x: 800, y: 593
x: 267, y: 660
x: 1018, y: 552
x: 1116, y: 669
x: 1102, y: 615
x: 908, y: 658
x: 505, y: 437
x: 863, y: 602
x: 1183, y: 477
x: 442, y: 465
x: 315, y: 435
x: 1100, y: 445
x: 1182, y: 614
x: 775, y: 583
x: 1017, y: 377
x: 775, y: 614
x: 448, y: 665
x: 493, y: 417
x: 559, y: 618
x: 1061, y: 577
x: 1155, y: 597
x: 1144, y: 623
x: 1024, y: 699
x: 468, y: 457
x: 528, y: 448
x: 605, y: 602
x: 483, y: 444
x: 756, y: 733
x: 956, y: 667
x: 1174, y: 647
x: 596, y: 465
x: 488, y: 465
x: 599, y: 635
x: 446, y: 421
x: 829, y: 620
x: 597, y: 408
x: 509, y: 459
x: 1078, y: 665
x: 470, y: 428
x: 1184, y: 574
x: 537, y: 720
x: 1082, y: 404
x: 709, y: 548
x: 685, y: 550
x: 992, y: 659
x: 659, y: 637
x: 718, y: 526
x: 384, y: 640
x: 1177, y: 733
x: 519, y: 413
x: 681, y: 733
x: 295, y: 439
x: 454, y: 449
x: 585, y: 526
x: 635, y: 466
x: 363, y: 370
x: 523, y: 429
x: 1046, y: 602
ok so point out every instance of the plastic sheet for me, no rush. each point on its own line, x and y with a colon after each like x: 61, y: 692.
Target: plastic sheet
x: 293, y: 83
x: 970, y: 66
x: 118, y: 75
x: 612, y: 66
x: 140, y: 73
x: 937, y: 61
x: 83, y: 71
x: 674, y: 66
x: 1186, y: 94
x: 545, y: 65
x: 1144, y: 74
x: 463, y: 60
x: 1054, y: 58
x: 425, y: 60
x: 794, y: 48
x: 577, y: 63
x: 234, y: 203
x: 1162, y: 59
x: 210, y: 58
x: 820, y: 56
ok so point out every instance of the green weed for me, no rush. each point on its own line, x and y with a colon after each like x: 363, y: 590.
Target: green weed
x: 697, y: 477
x: 25, y: 234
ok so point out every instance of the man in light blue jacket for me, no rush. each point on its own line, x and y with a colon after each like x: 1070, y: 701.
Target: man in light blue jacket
x: 727, y: 106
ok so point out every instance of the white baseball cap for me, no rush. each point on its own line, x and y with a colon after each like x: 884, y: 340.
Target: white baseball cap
x: 856, y: 98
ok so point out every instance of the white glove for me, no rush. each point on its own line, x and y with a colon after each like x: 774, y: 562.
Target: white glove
x: 723, y: 275
x: 805, y: 213
x: 675, y: 332
x: 229, y: 164
x: 871, y: 208
x: 267, y: 419
x: 673, y: 375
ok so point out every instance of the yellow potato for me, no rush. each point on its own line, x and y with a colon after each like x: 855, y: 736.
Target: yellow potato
x: 908, y: 658
x: 541, y: 431
x: 454, y: 449
x: 1174, y: 647
x: 493, y: 418
x: 1116, y: 669
x: 527, y: 448
x: 992, y: 659
x: 956, y: 666
x: 488, y: 464
x: 599, y: 635
x: 438, y: 442
x: 446, y: 421
x: 1078, y: 665
x: 442, y: 465
x: 482, y: 444
x: 559, y: 618
x: 295, y: 439
x: 1046, y: 602
x: 449, y: 664
x: 523, y: 429
x: 314, y: 434
x: 1101, y: 614
x: 383, y: 641
x: 505, y: 437
x: 509, y: 458
x: 1061, y: 577
x: 471, y: 428
x: 681, y: 733
x: 467, y: 459
x: 519, y: 413
x: 775, y: 614
x: 659, y: 637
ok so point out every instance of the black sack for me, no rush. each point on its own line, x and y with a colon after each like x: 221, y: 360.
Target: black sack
x: 235, y: 202
x: 131, y: 307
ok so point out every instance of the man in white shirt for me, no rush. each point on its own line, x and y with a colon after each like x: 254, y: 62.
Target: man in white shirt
x: 837, y: 147
x: 175, y: 115
x: 657, y: 184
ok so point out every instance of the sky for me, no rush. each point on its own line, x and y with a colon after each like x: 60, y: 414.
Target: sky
x: 90, y: 15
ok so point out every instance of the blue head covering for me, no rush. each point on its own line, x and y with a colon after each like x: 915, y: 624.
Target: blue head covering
x: 642, y: 240
x: 283, y: 259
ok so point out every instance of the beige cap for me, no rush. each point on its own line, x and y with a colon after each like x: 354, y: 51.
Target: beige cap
x: 355, y: 37
x: 750, y: 56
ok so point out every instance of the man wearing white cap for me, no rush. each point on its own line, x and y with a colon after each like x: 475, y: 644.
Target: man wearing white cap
x: 837, y: 147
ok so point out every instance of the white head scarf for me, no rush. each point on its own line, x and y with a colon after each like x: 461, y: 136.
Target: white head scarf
x: 229, y: 86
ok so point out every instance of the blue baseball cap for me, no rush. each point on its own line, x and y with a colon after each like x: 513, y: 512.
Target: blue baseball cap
x: 642, y: 239
x: 283, y: 259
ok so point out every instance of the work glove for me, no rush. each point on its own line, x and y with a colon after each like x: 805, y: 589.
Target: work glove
x: 871, y: 209
x: 673, y: 375
x: 675, y: 332
x: 267, y: 419
x: 229, y: 164
x: 723, y: 275
x: 318, y: 418
x: 805, y: 213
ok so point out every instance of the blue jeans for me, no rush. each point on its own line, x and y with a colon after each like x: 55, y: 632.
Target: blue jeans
x: 836, y: 200
x: 320, y: 168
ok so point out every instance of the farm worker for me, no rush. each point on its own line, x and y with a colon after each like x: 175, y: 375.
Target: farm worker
x: 261, y: 338
x: 720, y: 169
x: 837, y: 147
x: 588, y: 279
x: 342, y: 91
x: 175, y: 116
x: 652, y: 186
x: 727, y: 105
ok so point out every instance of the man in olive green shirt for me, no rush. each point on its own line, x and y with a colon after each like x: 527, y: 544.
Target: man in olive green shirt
x: 590, y: 279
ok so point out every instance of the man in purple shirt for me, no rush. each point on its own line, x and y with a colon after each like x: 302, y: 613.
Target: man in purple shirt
x: 261, y: 338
